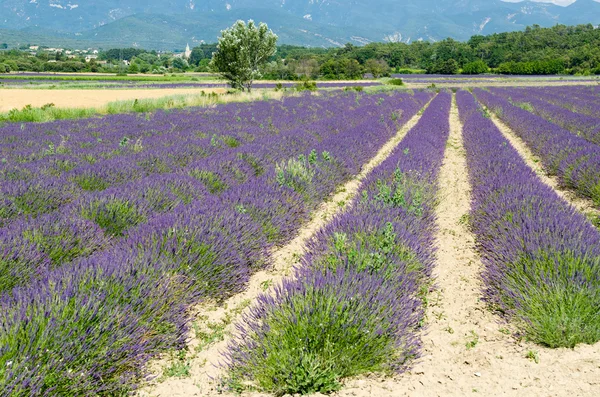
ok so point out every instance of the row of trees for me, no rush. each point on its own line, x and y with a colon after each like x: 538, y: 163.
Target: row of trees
x: 114, y: 60
x: 536, y: 50
x: 13, y: 61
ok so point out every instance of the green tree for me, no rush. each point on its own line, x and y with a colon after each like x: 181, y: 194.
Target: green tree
x: 133, y: 68
x: 203, y: 65
x: 449, y: 66
x: 196, y: 56
x: 377, y: 67
x: 11, y: 65
x: 180, y: 63
x: 242, y: 51
x: 475, y: 67
x: 93, y: 65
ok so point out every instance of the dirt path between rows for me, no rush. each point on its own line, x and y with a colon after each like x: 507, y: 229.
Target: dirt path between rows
x: 534, y: 162
x: 204, y: 364
x: 467, y: 350
x: 88, y: 98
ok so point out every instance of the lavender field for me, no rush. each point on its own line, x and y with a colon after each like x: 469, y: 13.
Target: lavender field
x: 123, y: 237
x: 131, y: 84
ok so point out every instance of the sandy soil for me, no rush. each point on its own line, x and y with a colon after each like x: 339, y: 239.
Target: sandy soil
x: 18, y: 98
x: 467, y: 349
x: 204, y: 364
x: 534, y: 162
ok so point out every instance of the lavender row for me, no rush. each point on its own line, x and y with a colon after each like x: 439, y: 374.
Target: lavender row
x: 578, y: 99
x: 61, y: 161
x: 588, y: 127
x: 120, y: 84
x: 100, y: 137
x: 354, y: 305
x: 575, y: 160
x: 89, y: 327
x: 541, y: 257
x: 58, y: 238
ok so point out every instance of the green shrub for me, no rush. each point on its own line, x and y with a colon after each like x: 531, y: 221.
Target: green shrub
x: 561, y: 313
x: 476, y: 67
x: 306, y: 86
x: 114, y: 215
x: 213, y: 183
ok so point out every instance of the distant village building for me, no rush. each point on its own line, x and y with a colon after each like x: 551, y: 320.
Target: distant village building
x: 184, y: 55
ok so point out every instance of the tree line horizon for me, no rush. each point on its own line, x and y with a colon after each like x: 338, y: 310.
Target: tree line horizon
x: 559, y: 49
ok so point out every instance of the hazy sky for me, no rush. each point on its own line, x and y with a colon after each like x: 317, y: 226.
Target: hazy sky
x: 559, y: 2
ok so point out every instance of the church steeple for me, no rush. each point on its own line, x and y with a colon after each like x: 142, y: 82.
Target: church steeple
x: 188, y: 52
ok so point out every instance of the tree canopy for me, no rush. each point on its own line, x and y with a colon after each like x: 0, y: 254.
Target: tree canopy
x: 241, y: 52
x: 535, y: 50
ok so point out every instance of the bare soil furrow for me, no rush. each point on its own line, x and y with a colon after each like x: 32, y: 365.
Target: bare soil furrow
x: 213, y: 324
x: 534, y: 162
x: 468, y: 350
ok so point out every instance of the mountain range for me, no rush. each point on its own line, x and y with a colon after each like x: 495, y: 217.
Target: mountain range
x: 170, y: 24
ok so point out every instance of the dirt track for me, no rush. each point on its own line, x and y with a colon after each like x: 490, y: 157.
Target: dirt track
x: 467, y: 349
x: 205, y: 365
x: 18, y: 98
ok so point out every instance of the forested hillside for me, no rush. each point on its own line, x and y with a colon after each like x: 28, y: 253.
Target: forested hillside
x: 557, y: 50
x: 536, y: 50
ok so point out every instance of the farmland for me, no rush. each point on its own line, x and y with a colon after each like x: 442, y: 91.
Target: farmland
x: 384, y: 243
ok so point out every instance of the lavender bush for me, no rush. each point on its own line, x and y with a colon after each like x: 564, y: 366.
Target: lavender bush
x: 83, y: 319
x: 586, y: 126
x: 354, y: 305
x: 575, y: 160
x: 541, y: 257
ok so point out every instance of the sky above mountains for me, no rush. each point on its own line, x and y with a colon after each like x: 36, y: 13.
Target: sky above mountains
x: 557, y: 2
x: 168, y: 24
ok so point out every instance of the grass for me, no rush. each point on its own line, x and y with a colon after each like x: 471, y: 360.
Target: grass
x: 215, y: 331
x: 404, y: 191
x: 179, y: 366
x: 370, y: 252
x: 472, y: 340
x: 75, y: 85
x: 373, y: 89
x: 49, y: 112
x: 213, y: 183
x: 533, y: 355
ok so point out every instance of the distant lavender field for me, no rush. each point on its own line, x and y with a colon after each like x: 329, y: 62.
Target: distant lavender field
x: 459, y: 79
x: 120, y: 84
